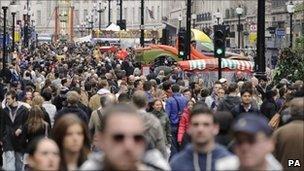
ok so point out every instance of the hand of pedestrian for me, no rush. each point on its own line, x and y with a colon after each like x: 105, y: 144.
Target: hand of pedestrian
x: 18, y: 132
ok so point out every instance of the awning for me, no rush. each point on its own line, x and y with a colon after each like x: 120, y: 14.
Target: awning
x: 212, y: 64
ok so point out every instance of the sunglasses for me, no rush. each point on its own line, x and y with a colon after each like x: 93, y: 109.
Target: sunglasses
x: 250, y: 140
x: 137, y: 138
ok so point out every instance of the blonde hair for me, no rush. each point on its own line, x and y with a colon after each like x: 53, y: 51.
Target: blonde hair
x: 37, y: 100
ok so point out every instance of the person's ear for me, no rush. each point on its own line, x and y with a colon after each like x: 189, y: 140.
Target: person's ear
x: 30, y: 161
x: 216, y: 129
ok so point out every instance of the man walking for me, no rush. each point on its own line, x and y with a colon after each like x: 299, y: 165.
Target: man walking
x: 14, y: 141
x: 203, y: 152
x: 174, y: 106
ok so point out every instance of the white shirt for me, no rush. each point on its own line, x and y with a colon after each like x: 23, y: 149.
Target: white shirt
x: 50, y: 109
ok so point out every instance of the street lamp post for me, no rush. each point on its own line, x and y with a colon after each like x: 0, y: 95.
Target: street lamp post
x: 218, y: 16
x: 239, y: 12
x: 260, y: 66
x: 290, y: 10
x: 193, y: 16
x: 100, y: 10
x: 14, y: 8
x: 109, y: 12
x: 4, y: 8
x: 180, y: 22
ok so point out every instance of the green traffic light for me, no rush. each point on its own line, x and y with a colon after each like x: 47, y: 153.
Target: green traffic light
x: 181, y: 53
x: 219, y: 51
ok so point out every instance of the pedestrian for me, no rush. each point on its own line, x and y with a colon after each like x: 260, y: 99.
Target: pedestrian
x: 213, y: 98
x: 154, y: 132
x: 47, y: 104
x: 224, y: 119
x: 289, y: 138
x: 231, y: 100
x: 246, y: 105
x: 182, y: 137
x: 43, y: 154
x: 269, y: 106
x: 36, y: 125
x: 38, y: 101
x: 72, y: 137
x: 253, y: 146
x: 72, y: 107
x: 123, y: 143
x: 174, y: 108
x: 159, y: 112
x: 203, y: 152
x: 13, y: 138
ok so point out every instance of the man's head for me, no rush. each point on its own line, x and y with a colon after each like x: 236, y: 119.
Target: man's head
x: 217, y: 85
x: 175, y: 88
x: 147, y: 86
x: 253, y: 141
x: 297, y: 107
x: 202, y: 127
x: 263, y: 81
x: 233, y: 88
x: 140, y: 99
x: 138, y: 85
x: 246, y: 96
x: 121, y: 137
x: 11, y: 97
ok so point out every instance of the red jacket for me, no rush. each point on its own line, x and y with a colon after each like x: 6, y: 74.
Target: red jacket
x: 183, y: 125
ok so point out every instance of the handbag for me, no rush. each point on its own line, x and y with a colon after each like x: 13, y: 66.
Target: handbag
x: 276, y: 118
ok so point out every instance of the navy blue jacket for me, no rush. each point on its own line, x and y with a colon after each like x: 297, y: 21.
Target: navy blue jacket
x: 175, y: 107
x: 183, y: 161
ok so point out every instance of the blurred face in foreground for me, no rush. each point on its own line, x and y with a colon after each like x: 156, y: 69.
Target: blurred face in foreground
x: 74, y: 139
x: 252, y: 150
x: 123, y: 142
x: 202, y: 129
x: 46, y: 156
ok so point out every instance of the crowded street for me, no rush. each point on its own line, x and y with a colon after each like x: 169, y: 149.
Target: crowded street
x: 201, y: 91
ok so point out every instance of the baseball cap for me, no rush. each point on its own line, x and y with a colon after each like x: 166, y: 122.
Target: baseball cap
x: 223, y: 80
x: 252, y: 123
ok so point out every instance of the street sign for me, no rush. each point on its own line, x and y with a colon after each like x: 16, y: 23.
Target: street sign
x: 280, y: 32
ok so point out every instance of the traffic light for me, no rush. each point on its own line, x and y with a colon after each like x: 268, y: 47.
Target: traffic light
x: 182, y: 47
x: 220, y: 33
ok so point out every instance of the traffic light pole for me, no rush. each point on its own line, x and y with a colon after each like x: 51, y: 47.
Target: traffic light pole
x: 188, y: 30
x: 142, y: 31
x: 260, y: 58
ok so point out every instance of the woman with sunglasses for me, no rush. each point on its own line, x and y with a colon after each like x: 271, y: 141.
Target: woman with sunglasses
x: 43, y: 155
x: 71, y: 135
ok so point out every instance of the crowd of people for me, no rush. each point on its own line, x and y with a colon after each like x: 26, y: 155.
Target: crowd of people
x: 72, y: 107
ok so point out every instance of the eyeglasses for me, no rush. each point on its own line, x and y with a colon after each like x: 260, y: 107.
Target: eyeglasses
x: 137, y: 138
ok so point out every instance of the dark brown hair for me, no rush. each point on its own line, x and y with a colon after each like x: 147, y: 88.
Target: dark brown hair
x: 35, y: 119
x: 59, y: 132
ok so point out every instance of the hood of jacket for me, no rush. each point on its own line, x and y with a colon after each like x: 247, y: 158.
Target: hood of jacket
x: 231, y: 101
x: 153, y: 160
x: 233, y: 163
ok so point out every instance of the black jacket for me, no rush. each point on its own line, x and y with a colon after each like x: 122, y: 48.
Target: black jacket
x: 239, y: 109
x: 269, y: 108
x: 10, y: 141
x: 228, y: 103
x: 72, y: 110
